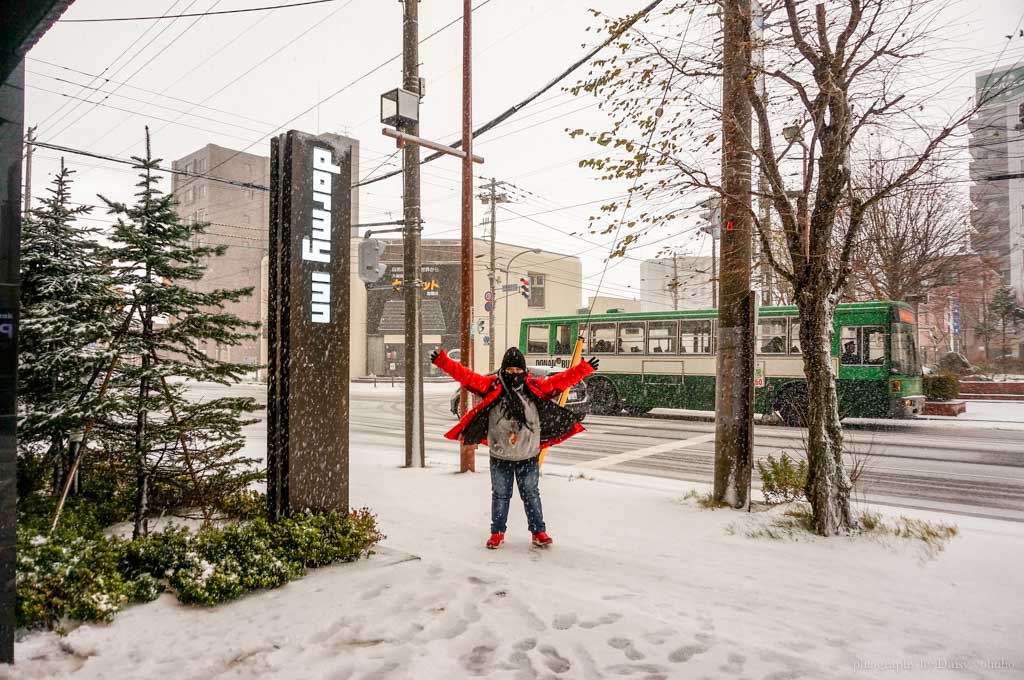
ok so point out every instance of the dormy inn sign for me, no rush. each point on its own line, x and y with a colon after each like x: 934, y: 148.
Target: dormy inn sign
x: 308, y: 324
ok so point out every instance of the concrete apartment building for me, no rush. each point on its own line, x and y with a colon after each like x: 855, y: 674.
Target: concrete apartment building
x: 679, y: 282
x: 239, y: 219
x: 997, y: 148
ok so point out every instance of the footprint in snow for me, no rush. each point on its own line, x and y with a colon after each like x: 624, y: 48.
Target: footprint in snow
x: 555, y: 662
x: 564, y: 621
x: 686, y: 653
x: 626, y: 647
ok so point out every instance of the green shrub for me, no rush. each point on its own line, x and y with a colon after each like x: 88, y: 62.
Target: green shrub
x: 781, y: 480
x: 941, y: 386
x: 78, y: 573
x: 244, y: 505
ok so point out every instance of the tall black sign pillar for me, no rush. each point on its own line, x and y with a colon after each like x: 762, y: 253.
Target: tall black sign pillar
x: 308, y: 317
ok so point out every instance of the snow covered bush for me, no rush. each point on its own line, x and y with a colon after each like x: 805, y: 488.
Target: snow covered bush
x: 781, y: 480
x: 941, y: 386
x: 79, y: 573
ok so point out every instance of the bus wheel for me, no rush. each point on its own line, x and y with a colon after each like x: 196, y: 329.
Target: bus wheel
x: 604, y: 398
x: 791, y: 404
x: 638, y: 410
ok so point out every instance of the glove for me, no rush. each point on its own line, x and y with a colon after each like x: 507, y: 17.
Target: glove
x: 594, y: 362
x: 434, y: 355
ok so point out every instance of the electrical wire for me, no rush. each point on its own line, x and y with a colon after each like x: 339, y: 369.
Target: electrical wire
x: 195, y: 14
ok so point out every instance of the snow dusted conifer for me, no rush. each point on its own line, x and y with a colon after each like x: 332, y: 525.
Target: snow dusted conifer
x: 170, y: 443
x: 69, y: 310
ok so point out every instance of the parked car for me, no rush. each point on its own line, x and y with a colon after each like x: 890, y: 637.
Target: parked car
x: 577, y: 401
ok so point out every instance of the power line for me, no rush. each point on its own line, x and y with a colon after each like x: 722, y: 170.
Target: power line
x: 195, y: 14
x: 349, y: 85
x: 515, y: 108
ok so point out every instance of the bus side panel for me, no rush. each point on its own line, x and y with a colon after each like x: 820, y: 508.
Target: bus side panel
x: 863, y: 398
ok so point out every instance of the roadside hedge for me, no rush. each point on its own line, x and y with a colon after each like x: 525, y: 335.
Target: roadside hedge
x: 941, y: 386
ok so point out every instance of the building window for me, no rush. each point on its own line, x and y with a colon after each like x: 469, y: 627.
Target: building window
x: 245, y: 218
x: 201, y: 191
x: 186, y: 196
x: 537, y: 340
x: 188, y: 166
x: 536, y: 289
x: 695, y: 337
x: 199, y: 165
x: 631, y: 338
x: 248, y: 168
x: 661, y: 337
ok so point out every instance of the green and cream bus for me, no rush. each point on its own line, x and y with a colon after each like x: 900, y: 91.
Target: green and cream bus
x: 667, y: 359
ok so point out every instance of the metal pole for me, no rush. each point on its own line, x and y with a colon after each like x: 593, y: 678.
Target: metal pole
x: 467, y: 462
x: 714, y: 271
x: 30, y: 137
x: 675, y: 282
x: 491, y: 277
x: 414, y: 447
x: 735, y: 381
x: 507, y: 303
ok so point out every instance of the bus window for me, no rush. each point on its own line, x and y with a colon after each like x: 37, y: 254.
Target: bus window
x: 771, y: 336
x: 563, y: 339
x: 537, y: 340
x: 695, y: 337
x: 904, y: 349
x: 862, y: 345
x: 661, y: 337
x: 631, y: 338
x: 849, y: 345
x: 873, y: 345
x: 602, y: 337
x: 794, y: 335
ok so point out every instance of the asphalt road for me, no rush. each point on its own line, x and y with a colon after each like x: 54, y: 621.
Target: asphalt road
x: 973, y: 468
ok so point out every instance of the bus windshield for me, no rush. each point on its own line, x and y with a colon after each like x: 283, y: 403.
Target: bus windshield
x: 903, y: 343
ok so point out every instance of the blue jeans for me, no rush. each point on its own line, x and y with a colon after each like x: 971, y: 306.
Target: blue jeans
x: 527, y: 477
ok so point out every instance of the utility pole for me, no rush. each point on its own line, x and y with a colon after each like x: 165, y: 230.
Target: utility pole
x: 764, y: 207
x: 414, y: 446
x: 30, y: 137
x: 734, y: 418
x: 675, y: 282
x: 714, y: 272
x: 492, y: 198
x: 467, y: 454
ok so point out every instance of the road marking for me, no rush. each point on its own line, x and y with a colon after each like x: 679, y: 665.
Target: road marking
x: 617, y: 458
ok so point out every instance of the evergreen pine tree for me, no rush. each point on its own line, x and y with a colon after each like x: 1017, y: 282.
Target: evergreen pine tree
x: 170, y: 442
x: 69, y: 310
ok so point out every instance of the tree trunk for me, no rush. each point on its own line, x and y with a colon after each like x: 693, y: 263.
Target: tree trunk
x: 141, y: 475
x: 828, y: 484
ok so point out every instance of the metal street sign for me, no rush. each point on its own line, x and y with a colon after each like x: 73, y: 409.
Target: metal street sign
x: 510, y: 288
x: 488, y: 296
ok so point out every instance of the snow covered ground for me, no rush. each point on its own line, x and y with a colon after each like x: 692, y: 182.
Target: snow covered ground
x: 640, y: 583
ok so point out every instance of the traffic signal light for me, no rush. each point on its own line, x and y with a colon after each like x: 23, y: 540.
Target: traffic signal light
x: 370, y: 267
x: 712, y: 214
x: 524, y: 287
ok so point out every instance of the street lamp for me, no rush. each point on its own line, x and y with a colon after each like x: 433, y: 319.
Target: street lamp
x: 794, y: 134
x: 399, y: 108
x: 508, y: 267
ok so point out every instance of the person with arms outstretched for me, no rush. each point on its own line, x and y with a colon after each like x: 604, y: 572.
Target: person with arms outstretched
x: 516, y: 419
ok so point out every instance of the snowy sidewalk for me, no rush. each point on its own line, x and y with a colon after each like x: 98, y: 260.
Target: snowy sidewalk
x: 639, y: 584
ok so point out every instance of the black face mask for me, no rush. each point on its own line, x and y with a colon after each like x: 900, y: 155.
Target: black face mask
x: 514, y: 380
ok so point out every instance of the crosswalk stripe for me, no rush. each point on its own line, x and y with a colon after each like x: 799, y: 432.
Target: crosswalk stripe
x: 618, y: 458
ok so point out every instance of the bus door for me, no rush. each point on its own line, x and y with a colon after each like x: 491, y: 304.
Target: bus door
x: 663, y: 371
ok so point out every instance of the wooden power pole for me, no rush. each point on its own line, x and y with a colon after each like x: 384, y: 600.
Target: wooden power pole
x: 734, y: 398
x: 414, y: 447
x: 30, y: 137
x: 467, y: 455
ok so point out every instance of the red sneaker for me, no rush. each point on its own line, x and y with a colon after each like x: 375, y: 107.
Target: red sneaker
x: 542, y: 540
x: 495, y: 541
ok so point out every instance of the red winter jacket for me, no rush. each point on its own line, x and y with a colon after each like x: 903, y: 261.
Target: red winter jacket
x: 557, y: 423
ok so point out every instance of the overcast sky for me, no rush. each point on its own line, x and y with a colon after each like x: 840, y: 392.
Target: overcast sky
x: 254, y: 73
